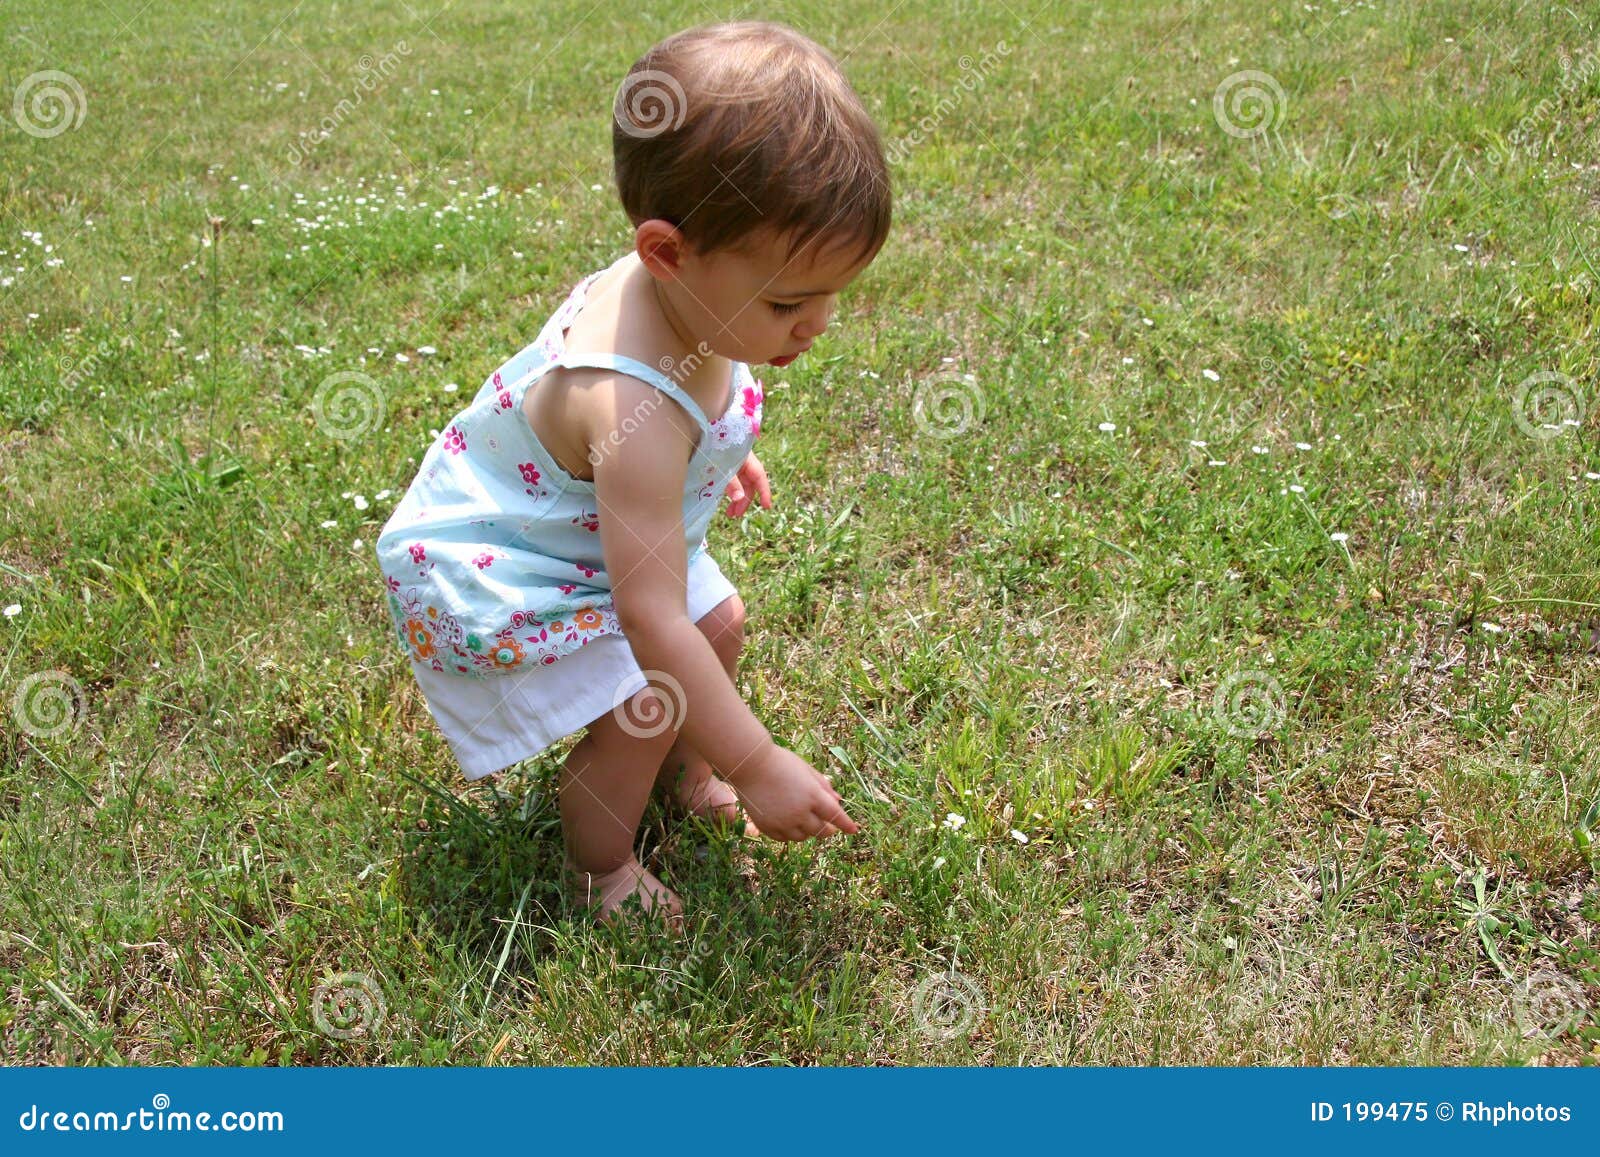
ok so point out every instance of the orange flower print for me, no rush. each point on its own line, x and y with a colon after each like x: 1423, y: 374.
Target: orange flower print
x: 588, y: 620
x: 420, y: 638
x: 506, y: 652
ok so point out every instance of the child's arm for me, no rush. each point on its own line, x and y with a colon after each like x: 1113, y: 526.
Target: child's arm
x: 639, y: 485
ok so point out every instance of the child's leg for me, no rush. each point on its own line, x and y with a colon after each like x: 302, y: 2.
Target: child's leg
x: 605, y: 784
x: 684, y: 771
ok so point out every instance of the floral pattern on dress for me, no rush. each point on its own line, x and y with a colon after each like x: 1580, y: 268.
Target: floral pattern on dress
x: 435, y: 639
x: 492, y: 560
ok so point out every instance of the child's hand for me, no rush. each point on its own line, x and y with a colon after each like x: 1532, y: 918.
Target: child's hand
x: 751, y: 479
x: 787, y: 798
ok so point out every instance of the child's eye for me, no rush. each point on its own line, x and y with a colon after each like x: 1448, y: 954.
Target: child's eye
x: 784, y: 307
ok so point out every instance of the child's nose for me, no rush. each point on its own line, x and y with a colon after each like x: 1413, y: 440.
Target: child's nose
x: 813, y: 325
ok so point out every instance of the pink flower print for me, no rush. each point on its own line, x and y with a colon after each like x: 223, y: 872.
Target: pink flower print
x: 589, y: 522
x: 530, y: 473
x: 391, y: 582
x: 483, y: 560
x: 753, y: 397
x: 496, y: 379
x: 588, y: 571
x: 567, y: 588
x: 418, y: 553
x: 454, y: 440
x: 504, y: 400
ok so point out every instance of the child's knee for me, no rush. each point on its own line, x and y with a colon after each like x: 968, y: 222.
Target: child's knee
x: 723, y: 626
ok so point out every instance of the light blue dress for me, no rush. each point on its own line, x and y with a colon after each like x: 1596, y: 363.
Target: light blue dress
x: 492, y: 558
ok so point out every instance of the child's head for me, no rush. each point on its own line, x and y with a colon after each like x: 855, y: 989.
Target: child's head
x: 755, y: 181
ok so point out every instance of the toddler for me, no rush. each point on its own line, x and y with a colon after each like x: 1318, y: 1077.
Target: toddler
x: 547, y: 568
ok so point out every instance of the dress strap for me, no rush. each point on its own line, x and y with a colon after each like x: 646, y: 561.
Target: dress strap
x: 637, y: 369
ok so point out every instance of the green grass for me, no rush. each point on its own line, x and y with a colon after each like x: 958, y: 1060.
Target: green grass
x: 1371, y: 852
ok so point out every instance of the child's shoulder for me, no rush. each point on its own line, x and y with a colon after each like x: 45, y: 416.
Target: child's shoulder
x: 574, y: 408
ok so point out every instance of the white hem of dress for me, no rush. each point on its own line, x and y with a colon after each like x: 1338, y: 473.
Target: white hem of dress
x: 493, y: 721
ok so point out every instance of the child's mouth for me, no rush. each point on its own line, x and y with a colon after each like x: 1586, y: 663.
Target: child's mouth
x: 786, y: 358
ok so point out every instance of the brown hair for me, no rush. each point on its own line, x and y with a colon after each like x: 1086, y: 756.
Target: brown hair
x: 730, y: 129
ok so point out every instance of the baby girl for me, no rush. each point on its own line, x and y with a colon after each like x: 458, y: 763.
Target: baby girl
x: 547, y: 569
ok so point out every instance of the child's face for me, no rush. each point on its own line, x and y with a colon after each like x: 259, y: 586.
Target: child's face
x: 758, y: 307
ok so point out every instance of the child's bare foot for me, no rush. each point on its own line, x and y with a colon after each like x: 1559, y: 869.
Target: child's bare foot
x: 699, y: 791
x: 607, y: 892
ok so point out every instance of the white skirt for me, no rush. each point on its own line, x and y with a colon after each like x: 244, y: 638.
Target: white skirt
x: 493, y: 722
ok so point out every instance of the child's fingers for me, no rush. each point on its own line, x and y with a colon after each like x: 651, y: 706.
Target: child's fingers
x: 836, y: 819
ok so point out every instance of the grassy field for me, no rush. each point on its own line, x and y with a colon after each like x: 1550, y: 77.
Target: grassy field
x: 1186, y: 551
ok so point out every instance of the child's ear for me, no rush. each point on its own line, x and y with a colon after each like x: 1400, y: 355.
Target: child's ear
x: 660, y: 247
